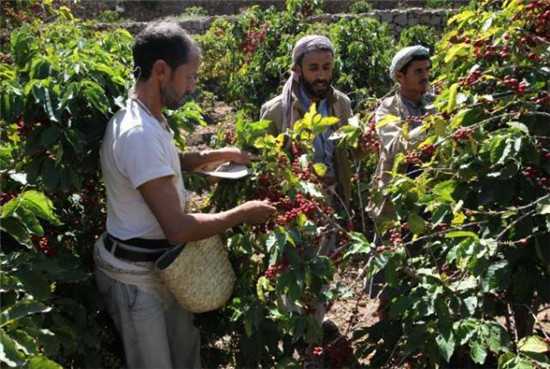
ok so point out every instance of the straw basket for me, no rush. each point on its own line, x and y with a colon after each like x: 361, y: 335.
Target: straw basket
x: 198, y: 274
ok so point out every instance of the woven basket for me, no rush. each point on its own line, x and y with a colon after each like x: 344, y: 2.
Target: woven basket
x: 198, y: 274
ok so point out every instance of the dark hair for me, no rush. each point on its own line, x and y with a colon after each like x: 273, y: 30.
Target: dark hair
x: 414, y: 58
x: 164, y: 40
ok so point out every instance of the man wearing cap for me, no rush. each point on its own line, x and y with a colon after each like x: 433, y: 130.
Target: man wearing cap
x: 410, y: 68
x: 310, y: 82
x: 141, y: 170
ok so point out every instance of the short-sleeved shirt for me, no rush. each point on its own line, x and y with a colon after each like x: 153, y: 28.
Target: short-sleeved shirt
x: 136, y: 148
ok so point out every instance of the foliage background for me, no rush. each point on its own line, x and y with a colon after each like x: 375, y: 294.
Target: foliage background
x: 469, y: 244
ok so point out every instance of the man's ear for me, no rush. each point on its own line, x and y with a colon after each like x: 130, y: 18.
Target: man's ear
x: 297, y: 69
x: 400, y: 76
x: 161, y: 70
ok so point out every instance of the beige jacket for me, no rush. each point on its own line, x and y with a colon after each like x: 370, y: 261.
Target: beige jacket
x: 340, y: 106
x: 392, y: 142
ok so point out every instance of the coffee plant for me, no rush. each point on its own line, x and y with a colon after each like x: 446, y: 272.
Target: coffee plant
x: 418, y: 35
x: 285, y: 266
x: 465, y: 259
x: 246, y: 61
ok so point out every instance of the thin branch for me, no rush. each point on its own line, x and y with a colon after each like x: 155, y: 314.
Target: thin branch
x: 519, y: 219
x: 362, y: 212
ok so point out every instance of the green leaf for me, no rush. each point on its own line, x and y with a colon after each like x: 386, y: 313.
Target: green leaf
x: 459, y: 234
x: 23, y: 45
x: 25, y: 342
x: 498, y: 339
x: 49, y: 136
x: 496, y: 277
x: 359, y: 245
x: 30, y: 221
x: 42, y: 362
x: 97, y: 97
x: 8, y: 282
x: 9, y: 354
x: 444, y: 191
x: 457, y: 51
x: 22, y: 309
x: 464, y: 330
x: 320, y: 169
x: 465, y: 117
x: 471, y: 304
x: 451, y: 104
x: 40, y: 205
x: 416, y: 223
x: 262, y: 286
x: 5, y: 156
x: 519, y: 126
x: 446, y: 345
x: 533, y: 344
x: 388, y: 119
x: 477, y: 352
x: 17, y: 230
x: 543, y: 207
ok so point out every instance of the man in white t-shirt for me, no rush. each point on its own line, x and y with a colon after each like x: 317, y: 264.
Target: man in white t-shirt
x: 145, y: 204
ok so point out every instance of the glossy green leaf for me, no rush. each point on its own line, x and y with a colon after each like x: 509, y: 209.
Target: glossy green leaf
x: 416, y: 223
x: 42, y: 362
x: 477, y: 352
x: 21, y: 309
x: 446, y: 345
x: 534, y: 344
x: 9, y: 354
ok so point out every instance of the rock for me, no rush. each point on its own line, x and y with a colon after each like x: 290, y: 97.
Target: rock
x: 401, y: 19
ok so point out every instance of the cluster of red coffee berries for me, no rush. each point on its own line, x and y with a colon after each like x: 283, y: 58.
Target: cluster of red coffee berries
x: 293, y: 208
x: 274, y: 270
x: 514, y: 84
x: 537, y: 176
x: 463, y: 134
x: 473, y: 78
x: 542, y: 98
x: 6, y: 196
x: 369, y: 142
x: 395, y: 236
x: 253, y: 39
x: 42, y: 245
x: 538, y: 13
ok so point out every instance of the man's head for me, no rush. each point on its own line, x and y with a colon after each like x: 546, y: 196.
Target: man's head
x: 411, y: 68
x: 167, y: 57
x: 313, y: 63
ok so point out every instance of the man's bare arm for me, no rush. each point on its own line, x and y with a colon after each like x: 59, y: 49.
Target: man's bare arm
x: 191, y: 161
x: 162, y: 198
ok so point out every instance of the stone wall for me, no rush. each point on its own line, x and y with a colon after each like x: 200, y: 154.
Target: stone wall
x: 396, y: 19
x: 144, y: 10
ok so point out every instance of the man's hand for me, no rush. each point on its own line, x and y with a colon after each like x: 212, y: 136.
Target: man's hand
x: 235, y: 155
x: 256, y: 211
x: 192, y: 161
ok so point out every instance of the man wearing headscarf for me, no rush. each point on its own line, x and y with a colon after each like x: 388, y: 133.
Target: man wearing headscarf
x: 310, y: 82
x: 410, y: 68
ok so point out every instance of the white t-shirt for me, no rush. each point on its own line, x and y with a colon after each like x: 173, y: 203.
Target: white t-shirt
x: 136, y: 148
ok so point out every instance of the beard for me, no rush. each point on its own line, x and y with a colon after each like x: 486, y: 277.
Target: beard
x: 170, y: 98
x: 317, y: 89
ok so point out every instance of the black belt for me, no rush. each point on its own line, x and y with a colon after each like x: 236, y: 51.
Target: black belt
x: 149, y: 252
